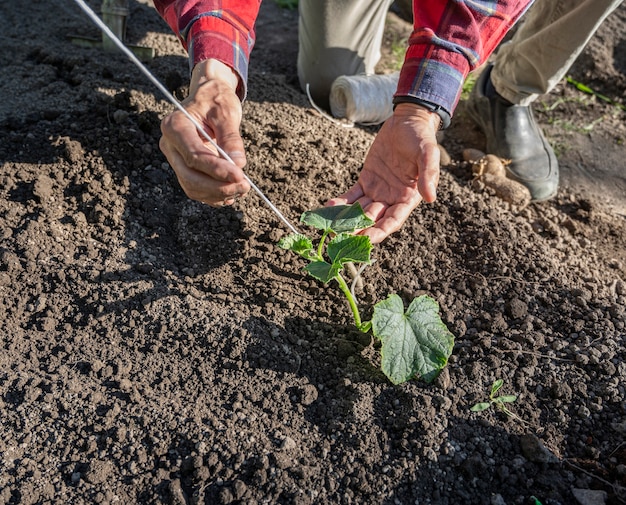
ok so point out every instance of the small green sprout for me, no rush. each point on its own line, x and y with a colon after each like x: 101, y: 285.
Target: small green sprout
x: 415, y: 342
x: 498, y: 401
x: 586, y: 89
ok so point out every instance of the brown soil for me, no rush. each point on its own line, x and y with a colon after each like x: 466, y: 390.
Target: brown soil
x: 155, y: 350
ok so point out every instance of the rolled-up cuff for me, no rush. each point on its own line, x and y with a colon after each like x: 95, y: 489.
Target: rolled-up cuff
x: 205, y: 42
x: 437, y: 84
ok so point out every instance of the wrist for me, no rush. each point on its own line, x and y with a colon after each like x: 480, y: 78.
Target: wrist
x: 411, y: 109
x: 214, y: 70
x: 444, y: 115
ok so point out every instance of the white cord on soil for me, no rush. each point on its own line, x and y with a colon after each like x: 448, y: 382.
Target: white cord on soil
x: 323, y: 113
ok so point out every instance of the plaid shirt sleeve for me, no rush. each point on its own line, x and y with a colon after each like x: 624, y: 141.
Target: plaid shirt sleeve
x: 216, y: 29
x: 450, y: 38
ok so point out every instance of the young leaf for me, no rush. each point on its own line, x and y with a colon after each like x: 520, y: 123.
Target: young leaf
x: 413, y: 343
x: 299, y: 244
x: 479, y: 407
x: 495, y: 387
x: 345, y: 247
x: 507, y: 398
x: 322, y: 270
x: 338, y: 219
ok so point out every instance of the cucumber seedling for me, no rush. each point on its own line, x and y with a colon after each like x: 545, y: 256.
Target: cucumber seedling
x: 415, y: 342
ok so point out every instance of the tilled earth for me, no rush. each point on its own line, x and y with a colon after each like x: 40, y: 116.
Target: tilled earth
x: 155, y: 350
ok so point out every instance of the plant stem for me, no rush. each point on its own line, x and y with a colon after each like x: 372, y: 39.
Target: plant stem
x: 346, y: 291
x: 320, y: 248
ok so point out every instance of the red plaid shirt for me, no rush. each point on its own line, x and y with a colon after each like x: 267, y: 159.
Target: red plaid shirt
x: 450, y: 38
x: 217, y: 29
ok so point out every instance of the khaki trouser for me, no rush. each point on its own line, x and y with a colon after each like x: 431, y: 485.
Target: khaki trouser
x: 338, y: 37
x: 544, y: 47
x: 343, y: 37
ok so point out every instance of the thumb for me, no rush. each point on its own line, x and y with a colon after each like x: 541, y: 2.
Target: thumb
x: 232, y: 144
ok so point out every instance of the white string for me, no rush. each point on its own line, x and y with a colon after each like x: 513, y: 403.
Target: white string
x: 325, y: 114
x: 101, y: 24
x: 364, y: 99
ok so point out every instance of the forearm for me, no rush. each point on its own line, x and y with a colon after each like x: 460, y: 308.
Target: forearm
x: 450, y: 39
x: 211, y: 29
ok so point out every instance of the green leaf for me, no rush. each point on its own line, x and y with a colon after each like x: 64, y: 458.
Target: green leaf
x: 507, y: 398
x: 346, y: 248
x: 586, y: 89
x: 413, y: 343
x: 495, y: 387
x: 299, y: 244
x: 338, y: 219
x: 479, y: 407
x: 322, y: 270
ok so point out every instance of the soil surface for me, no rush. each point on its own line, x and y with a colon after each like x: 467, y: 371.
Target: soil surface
x: 156, y: 350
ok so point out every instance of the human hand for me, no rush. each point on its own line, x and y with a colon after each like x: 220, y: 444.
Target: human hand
x: 202, y: 173
x: 400, y: 170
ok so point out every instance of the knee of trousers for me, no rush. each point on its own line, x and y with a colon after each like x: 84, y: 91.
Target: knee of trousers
x: 320, y: 69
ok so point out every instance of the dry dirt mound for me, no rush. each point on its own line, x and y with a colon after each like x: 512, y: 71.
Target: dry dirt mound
x: 154, y: 350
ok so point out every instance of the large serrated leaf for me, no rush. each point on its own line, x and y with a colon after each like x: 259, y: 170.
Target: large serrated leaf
x: 338, y: 219
x: 415, y: 343
x: 322, y: 270
x: 346, y: 248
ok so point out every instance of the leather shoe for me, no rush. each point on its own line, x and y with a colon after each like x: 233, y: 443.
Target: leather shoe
x: 513, y: 134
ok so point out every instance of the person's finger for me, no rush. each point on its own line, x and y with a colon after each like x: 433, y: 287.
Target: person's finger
x: 428, y: 179
x: 374, y: 210
x: 181, y: 135
x: 231, y: 143
x: 391, y: 220
x: 199, y: 186
x: 349, y: 197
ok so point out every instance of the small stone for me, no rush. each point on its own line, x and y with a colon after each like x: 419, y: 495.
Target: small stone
x: 497, y: 499
x: 309, y: 394
x: 43, y: 187
x: 177, y: 495
x: 534, y: 450
x: 589, y: 496
x: 288, y: 444
x: 443, y: 379
x: 620, y: 427
x: 516, y: 308
x: 444, y: 157
x: 226, y: 496
x: 120, y: 116
x: 99, y: 472
x: 345, y: 349
x: 239, y: 488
